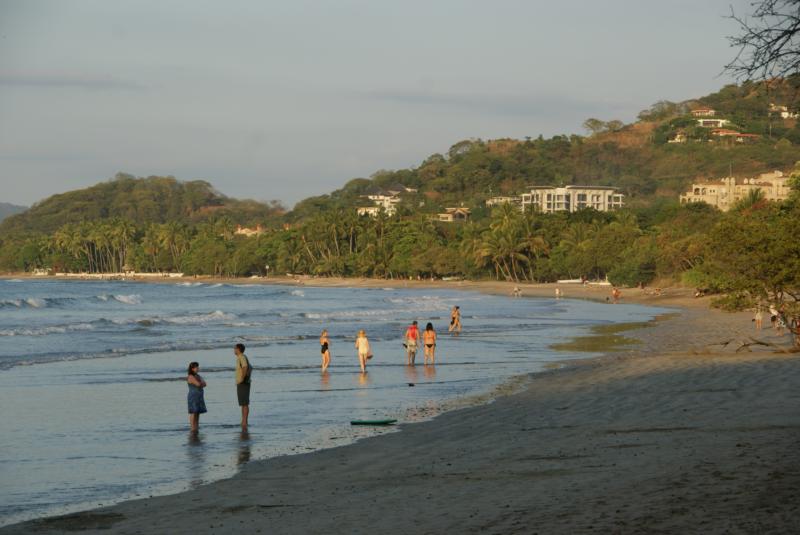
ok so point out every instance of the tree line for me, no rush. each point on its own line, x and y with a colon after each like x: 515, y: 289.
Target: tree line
x: 749, y: 253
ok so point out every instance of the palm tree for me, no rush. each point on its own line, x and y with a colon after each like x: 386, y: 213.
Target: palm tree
x: 754, y: 197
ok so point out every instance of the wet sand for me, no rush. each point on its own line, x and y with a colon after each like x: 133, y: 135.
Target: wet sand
x: 676, y: 434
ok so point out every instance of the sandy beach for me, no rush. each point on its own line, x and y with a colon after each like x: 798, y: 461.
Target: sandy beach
x: 679, y: 433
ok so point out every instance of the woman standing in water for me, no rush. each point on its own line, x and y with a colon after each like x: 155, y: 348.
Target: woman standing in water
x: 362, y: 345
x: 455, y: 320
x: 429, y: 339
x: 324, y: 348
x: 197, y: 404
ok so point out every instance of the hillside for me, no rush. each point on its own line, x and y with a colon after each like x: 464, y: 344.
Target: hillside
x: 141, y: 201
x: 637, y: 158
x: 8, y: 209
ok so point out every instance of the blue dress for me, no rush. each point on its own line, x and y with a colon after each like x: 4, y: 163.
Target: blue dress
x: 197, y: 405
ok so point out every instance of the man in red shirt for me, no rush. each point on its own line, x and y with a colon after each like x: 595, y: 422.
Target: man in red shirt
x: 412, y: 340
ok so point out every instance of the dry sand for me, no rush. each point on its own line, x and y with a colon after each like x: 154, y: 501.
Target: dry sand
x: 679, y: 434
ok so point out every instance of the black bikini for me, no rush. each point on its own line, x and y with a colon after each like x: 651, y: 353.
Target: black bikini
x: 323, y: 348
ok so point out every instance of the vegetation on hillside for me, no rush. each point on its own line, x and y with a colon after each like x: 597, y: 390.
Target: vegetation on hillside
x: 139, y: 201
x: 8, y: 209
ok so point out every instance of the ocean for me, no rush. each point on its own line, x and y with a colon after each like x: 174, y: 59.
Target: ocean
x: 93, y: 391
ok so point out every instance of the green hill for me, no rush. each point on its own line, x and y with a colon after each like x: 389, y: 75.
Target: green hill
x: 140, y: 201
x: 8, y: 209
x: 636, y: 158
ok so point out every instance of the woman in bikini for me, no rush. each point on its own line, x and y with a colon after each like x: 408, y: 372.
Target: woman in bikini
x: 324, y: 348
x: 429, y: 339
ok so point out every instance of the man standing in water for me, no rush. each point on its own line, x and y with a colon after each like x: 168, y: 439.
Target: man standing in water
x: 412, y: 340
x: 243, y: 371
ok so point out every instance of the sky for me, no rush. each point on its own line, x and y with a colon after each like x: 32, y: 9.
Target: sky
x: 287, y: 99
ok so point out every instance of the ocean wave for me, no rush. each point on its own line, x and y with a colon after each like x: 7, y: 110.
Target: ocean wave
x: 35, y: 302
x: 43, y: 331
x: 133, y: 299
x: 298, y: 293
x: 189, y: 319
x: 189, y: 284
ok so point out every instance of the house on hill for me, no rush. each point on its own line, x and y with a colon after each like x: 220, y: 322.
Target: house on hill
x: 397, y: 189
x: 452, y: 215
x: 712, y: 123
x: 680, y: 137
x: 724, y: 193
x: 548, y: 199
x: 497, y: 201
x: 248, y: 232
x: 381, y: 199
x: 738, y: 137
x: 704, y: 112
x: 783, y: 111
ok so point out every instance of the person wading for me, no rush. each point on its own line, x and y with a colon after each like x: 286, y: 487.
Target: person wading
x: 243, y: 372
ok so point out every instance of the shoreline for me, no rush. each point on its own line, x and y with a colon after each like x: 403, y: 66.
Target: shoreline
x: 670, y: 296
x: 659, y: 351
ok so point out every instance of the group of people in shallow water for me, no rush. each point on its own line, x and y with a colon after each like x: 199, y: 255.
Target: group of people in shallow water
x: 412, y: 340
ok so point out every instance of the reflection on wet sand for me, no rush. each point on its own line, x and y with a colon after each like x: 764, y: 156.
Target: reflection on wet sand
x: 243, y: 455
x: 325, y: 380
x: 411, y: 374
x: 430, y: 371
x: 196, y: 456
x: 363, y: 379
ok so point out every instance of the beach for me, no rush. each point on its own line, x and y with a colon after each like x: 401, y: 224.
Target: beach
x: 677, y: 434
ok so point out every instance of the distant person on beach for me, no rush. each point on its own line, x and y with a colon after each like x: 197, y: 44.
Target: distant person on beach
x: 243, y: 373
x: 429, y: 339
x: 516, y: 292
x: 615, y: 295
x: 758, y: 318
x: 197, y: 404
x: 324, y: 348
x: 558, y: 293
x: 411, y: 342
x: 773, y: 317
x: 455, y: 320
x: 364, y: 353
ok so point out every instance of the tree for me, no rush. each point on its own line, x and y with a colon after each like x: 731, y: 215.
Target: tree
x: 594, y: 126
x: 768, y: 43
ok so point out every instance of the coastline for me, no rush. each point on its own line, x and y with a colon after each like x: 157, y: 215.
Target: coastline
x: 534, y: 448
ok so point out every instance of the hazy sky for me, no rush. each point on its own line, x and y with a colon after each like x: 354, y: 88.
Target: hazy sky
x: 286, y: 99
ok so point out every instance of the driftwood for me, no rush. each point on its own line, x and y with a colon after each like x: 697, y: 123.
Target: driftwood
x: 755, y: 342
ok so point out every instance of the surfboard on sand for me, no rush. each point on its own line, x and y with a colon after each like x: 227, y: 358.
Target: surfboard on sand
x: 373, y: 422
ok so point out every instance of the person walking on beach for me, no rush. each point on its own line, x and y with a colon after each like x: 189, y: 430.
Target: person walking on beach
x: 364, y: 353
x: 455, y: 320
x: 243, y: 372
x: 758, y: 318
x: 324, y: 348
x: 412, y: 340
x: 197, y: 404
x: 429, y: 339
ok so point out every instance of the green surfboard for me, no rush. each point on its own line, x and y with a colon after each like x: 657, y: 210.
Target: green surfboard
x: 372, y: 422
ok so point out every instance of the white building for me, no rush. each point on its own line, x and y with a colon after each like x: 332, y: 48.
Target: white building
x: 382, y: 200
x: 724, y: 193
x: 496, y: 201
x: 547, y: 199
x: 783, y: 111
x: 712, y: 123
x: 704, y: 112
